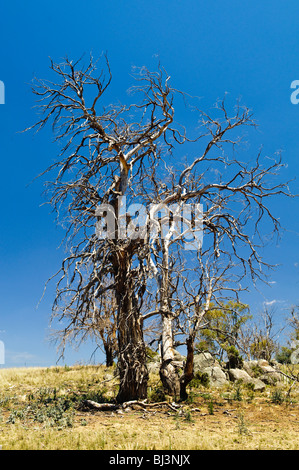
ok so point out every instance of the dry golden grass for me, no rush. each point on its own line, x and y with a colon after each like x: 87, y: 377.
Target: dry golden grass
x: 234, y: 418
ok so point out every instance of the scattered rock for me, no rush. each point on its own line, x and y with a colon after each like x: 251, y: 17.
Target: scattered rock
x: 250, y: 367
x: 239, y: 374
x: 270, y: 375
x: 204, y: 360
x: 265, y: 366
x: 295, y: 357
x: 269, y: 379
x: 217, y: 376
x: 257, y: 373
x: 258, y: 385
x: 242, y: 375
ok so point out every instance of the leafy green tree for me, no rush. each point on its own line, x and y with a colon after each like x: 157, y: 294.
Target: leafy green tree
x: 222, y: 329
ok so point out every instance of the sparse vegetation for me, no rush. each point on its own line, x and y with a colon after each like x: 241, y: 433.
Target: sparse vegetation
x: 242, y: 425
x: 238, y: 393
x: 44, y: 409
x: 277, y: 396
x: 200, y: 378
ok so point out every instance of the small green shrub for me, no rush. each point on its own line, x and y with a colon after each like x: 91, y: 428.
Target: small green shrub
x: 16, y: 415
x: 257, y: 371
x: 277, y: 396
x: 57, y: 414
x: 47, y: 408
x: 235, y: 360
x: 188, y: 417
x: 211, y: 407
x: 284, y: 355
x: 177, y: 419
x: 237, y: 396
x: 200, y: 379
x: 250, y: 392
x: 242, y: 426
x: 5, y: 401
x: 191, y: 397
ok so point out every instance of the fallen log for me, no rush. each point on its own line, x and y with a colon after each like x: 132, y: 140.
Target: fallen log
x: 102, y: 406
x: 142, y: 404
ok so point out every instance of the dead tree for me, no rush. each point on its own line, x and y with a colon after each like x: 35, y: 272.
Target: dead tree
x: 108, y: 153
x: 234, y: 196
x: 105, y: 152
x: 263, y: 339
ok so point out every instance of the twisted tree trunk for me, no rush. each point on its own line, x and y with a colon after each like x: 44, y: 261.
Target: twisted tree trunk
x: 131, y: 345
x: 188, y: 370
x: 168, y: 371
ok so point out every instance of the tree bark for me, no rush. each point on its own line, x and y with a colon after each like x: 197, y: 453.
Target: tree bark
x: 109, y: 351
x: 168, y: 372
x: 172, y: 382
x: 131, y: 345
x: 188, y: 370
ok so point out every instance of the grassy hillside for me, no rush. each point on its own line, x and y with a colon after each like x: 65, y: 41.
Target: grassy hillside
x: 44, y: 408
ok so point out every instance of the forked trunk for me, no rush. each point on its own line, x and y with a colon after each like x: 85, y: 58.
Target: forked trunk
x: 168, y: 371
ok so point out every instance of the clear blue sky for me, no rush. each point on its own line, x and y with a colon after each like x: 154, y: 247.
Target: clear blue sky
x: 248, y: 48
